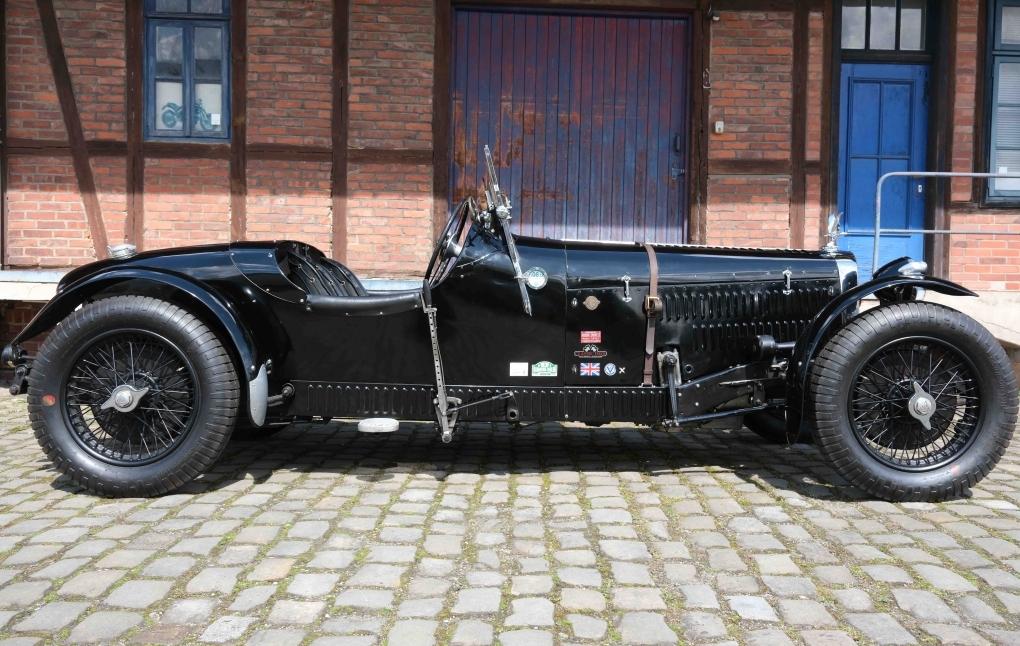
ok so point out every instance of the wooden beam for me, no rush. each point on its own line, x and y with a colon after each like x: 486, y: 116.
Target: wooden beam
x: 598, y: 5
x: 339, y: 126
x: 398, y: 156
x: 749, y: 167
x: 238, y: 118
x: 701, y: 50
x: 940, y: 156
x: 828, y: 166
x: 42, y: 147
x: 441, y: 89
x: 72, y: 122
x: 754, y: 5
x: 3, y: 135
x: 180, y: 150
x: 206, y: 150
x: 290, y: 152
x: 982, y: 96
x: 766, y: 5
x: 134, y: 229
x: 798, y: 125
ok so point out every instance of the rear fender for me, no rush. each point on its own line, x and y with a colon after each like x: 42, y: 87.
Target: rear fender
x: 218, y: 311
x: 831, y: 318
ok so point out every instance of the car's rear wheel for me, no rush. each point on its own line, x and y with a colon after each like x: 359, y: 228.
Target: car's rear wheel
x: 913, y: 401
x: 132, y: 396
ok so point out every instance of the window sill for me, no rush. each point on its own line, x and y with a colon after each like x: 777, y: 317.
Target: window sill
x: 200, y: 141
x: 1000, y: 203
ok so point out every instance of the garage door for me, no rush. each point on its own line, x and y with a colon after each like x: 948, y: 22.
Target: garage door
x: 586, y: 115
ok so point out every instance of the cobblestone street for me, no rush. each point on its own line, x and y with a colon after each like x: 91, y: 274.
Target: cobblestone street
x: 547, y: 535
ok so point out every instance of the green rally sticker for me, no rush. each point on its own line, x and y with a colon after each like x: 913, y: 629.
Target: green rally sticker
x: 543, y: 369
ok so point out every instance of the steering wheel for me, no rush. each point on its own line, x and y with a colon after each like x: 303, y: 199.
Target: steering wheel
x: 449, y: 243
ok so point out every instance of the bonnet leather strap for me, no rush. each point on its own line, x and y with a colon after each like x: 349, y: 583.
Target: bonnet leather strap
x: 653, y: 308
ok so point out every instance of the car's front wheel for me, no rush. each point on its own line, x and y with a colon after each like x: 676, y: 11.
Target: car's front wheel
x: 913, y: 401
x: 132, y: 396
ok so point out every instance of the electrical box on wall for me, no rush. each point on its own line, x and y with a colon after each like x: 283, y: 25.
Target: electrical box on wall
x: 719, y: 127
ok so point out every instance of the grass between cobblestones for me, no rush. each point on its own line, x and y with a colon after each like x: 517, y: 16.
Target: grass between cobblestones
x: 551, y: 534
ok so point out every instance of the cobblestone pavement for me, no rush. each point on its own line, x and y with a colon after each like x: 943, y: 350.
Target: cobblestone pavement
x: 547, y: 535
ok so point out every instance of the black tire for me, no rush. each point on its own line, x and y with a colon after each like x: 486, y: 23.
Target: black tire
x: 902, y: 461
x: 200, y: 405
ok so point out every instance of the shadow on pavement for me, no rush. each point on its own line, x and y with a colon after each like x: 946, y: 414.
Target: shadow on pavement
x: 496, y: 449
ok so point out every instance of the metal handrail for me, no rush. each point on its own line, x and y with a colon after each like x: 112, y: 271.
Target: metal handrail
x: 902, y: 173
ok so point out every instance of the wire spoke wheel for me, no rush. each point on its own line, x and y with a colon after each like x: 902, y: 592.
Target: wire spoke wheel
x: 130, y: 397
x: 915, y: 404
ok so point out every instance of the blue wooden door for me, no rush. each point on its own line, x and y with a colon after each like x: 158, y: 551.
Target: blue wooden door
x: 883, y: 127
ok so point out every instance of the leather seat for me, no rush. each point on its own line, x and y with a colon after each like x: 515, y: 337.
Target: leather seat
x: 368, y: 305
x: 331, y: 287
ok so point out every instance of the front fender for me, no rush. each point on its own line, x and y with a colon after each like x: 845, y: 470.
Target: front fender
x: 827, y: 320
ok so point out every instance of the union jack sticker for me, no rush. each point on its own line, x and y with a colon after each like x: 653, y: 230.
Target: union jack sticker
x: 591, y: 369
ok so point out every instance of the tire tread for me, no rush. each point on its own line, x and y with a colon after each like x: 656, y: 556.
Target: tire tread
x: 832, y: 365
x: 224, y: 396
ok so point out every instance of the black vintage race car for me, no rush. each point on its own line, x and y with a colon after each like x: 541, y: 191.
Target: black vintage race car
x: 154, y: 359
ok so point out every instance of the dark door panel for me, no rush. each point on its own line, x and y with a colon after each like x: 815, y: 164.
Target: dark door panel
x: 586, y: 116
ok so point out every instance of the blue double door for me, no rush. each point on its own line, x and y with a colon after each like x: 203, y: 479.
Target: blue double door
x: 883, y: 127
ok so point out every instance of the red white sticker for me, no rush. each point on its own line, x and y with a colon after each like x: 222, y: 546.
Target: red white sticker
x: 591, y: 336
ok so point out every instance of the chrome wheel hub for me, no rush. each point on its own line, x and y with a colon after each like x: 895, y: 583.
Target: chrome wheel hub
x: 921, y: 406
x: 124, y: 398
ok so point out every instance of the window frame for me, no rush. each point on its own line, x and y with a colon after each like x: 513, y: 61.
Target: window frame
x: 867, y: 53
x: 188, y: 22
x: 995, y: 56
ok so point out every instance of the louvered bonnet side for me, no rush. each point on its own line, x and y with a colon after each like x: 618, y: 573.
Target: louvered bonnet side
x: 714, y: 325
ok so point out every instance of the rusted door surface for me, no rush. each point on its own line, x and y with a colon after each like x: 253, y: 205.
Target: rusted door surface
x: 587, y: 117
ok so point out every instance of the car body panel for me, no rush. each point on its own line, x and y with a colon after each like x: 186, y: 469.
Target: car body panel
x: 303, y: 319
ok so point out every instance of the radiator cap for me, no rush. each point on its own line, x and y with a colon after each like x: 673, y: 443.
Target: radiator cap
x: 378, y: 425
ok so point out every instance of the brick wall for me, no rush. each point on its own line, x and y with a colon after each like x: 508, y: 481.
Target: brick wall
x: 751, y: 67
x: 32, y: 107
x: 815, y: 71
x: 813, y: 145
x: 389, y: 210
x: 290, y: 199
x: 965, y: 99
x: 751, y: 73
x: 110, y: 174
x: 187, y: 201
x: 749, y: 211
x: 986, y: 262
x: 391, y: 74
x: 15, y: 316
x: 290, y: 47
x: 45, y: 219
x: 979, y: 262
x: 390, y: 91
x: 93, y: 36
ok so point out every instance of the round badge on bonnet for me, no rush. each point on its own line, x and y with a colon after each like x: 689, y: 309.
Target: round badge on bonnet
x: 536, y: 278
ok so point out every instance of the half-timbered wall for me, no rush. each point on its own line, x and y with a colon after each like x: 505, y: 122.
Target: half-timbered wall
x: 310, y: 156
x: 341, y: 131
